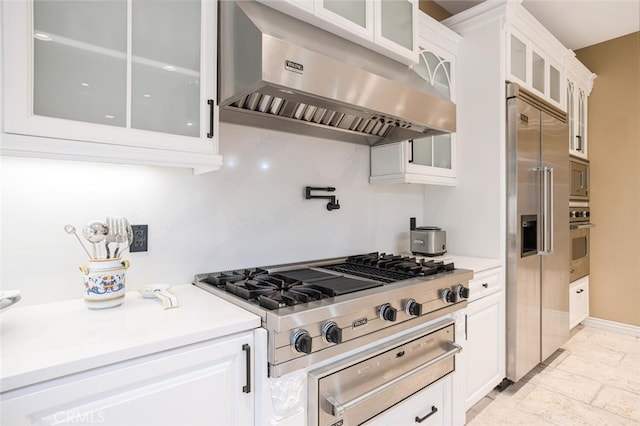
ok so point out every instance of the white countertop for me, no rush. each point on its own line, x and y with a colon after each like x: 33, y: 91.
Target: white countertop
x: 43, y: 342
x: 476, y: 264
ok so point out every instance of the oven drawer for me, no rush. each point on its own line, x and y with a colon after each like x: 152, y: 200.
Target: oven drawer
x: 360, y: 389
x: 484, y: 284
x: 429, y: 407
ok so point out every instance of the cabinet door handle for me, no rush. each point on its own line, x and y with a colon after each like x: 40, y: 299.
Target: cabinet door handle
x: 465, y: 327
x: 434, y: 410
x: 211, y: 107
x: 580, y: 291
x: 411, y: 150
x: 485, y: 285
x: 247, y: 351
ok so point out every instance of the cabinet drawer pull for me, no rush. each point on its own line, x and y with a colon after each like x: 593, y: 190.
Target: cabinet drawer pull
x: 247, y: 351
x: 485, y: 285
x: 211, y: 106
x: 411, y: 150
x: 422, y: 419
x: 580, y: 291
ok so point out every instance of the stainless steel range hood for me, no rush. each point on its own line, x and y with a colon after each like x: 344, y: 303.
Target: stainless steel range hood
x: 281, y: 73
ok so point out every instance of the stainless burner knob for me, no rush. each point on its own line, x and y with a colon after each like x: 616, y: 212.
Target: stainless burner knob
x: 387, y: 313
x: 301, y: 341
x: 462, y: 291
x: 411, y: 307
x: 448, y: 296
x: 331, y: 333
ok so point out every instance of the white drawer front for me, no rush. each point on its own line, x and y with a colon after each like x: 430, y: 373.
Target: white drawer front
x: 483, y: 285
x: 431, y: 405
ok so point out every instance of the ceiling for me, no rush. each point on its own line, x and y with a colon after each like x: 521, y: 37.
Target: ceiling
x: 576, y: 23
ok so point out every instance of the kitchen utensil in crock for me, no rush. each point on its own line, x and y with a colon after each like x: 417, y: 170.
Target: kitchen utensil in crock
x: 126, y: 235
x: 70, y: 229
x: 112, y: 235
x: 95, y: 232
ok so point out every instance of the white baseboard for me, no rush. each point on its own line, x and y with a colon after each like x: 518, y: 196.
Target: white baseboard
x: 618, y: 327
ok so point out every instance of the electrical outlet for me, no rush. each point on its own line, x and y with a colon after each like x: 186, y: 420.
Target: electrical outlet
x: 140, y: 235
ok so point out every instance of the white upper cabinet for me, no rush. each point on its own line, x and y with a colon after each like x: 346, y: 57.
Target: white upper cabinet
x: 579, y: 84
x: 536, y: 67
x: 127, y: 81
x: 429, y: 159
x: 390, y: 27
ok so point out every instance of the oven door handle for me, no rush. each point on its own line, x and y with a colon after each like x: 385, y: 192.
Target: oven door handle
x: 338, y: 409
x: 582, y: 226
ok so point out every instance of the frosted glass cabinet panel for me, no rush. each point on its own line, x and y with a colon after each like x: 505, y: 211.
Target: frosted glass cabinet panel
x: 518, y: 58
x: 554, y: 83
x: 396, y: 22
x: 571, y: 113
x: 80, y: 60
x: 165, y: 70
x: 354, y: 11
x: 538, y: 66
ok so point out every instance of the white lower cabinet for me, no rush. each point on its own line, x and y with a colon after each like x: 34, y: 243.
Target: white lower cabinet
x: 203, y: 383
x: 485, y: 336
x: 578, y: 301
x: 430, y: 406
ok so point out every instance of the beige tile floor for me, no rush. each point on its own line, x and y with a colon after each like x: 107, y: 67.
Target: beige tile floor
x: 594, y: 379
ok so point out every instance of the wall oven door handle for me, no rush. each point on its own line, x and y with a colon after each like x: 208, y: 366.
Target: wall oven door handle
x: 338, y: 409
x: 582, y: 225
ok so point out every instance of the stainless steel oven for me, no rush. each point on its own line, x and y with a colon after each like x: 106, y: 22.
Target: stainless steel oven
x: 366, y: 337
x: 579, y: 179
x: 580, y: 232
x: 361, y: 387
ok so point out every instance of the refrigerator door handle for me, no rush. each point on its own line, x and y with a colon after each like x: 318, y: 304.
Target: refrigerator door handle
x: 545, y: 209
x: 551, y: 211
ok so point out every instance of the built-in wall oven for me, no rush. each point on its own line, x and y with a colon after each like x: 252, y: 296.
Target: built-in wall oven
x: 579, y: 179
x: 580, y: 226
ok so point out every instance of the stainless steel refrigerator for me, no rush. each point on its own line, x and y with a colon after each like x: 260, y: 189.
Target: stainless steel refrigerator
x: 537, y: 231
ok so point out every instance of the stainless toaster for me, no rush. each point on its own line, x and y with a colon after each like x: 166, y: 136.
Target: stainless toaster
x: 428, y: 240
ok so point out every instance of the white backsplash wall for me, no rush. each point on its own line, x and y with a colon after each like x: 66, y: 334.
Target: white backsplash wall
x: 252, y: 212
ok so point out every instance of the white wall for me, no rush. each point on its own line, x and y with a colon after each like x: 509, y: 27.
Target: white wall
x: 250, y: 213
x: 473, y: 213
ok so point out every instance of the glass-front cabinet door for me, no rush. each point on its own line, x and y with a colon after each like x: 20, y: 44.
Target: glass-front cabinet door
x: 571, y: 114
x: 355, y: 16
x: 428, y: 159
x: 535, y: 69
x: 395, y: 26
x: 131, y: 73
x: 434, y: 152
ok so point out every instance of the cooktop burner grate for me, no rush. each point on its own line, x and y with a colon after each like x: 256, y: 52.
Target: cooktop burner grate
x: 370, y: 272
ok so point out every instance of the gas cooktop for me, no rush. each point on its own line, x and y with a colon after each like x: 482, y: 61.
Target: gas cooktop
x: 272, y: 288
x: 315, y: 310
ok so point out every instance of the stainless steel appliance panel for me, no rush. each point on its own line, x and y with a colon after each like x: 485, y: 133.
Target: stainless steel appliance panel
x: 359, y: 389
x: 555, y: 261
x: 579, y: 179
x: 537, y: 231
x: 580, y: 235
x: 523, y: 309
